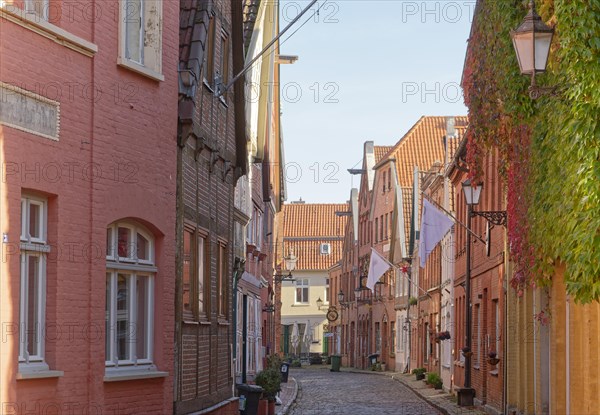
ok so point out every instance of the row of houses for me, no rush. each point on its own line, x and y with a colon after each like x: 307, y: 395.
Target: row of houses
x: 508, y: 321
x: 139, y: 193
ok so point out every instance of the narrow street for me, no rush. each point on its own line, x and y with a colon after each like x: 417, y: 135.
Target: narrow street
x: 321, y: 392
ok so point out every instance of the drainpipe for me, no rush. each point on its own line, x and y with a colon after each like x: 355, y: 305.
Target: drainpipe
x: 568, y: 356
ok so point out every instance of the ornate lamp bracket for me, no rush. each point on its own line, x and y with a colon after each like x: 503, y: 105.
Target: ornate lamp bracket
x: 494, y: 217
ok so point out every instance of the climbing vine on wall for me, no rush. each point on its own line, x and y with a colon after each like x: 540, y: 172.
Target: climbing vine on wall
x: 550, y: 148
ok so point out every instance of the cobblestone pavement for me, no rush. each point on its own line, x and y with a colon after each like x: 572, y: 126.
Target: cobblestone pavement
x: 321, y: 392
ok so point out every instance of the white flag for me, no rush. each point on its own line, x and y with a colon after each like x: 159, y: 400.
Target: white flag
x: 434, y: 225
x: 377, y: 267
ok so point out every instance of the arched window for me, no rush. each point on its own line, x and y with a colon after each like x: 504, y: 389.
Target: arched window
x: 130, y: 272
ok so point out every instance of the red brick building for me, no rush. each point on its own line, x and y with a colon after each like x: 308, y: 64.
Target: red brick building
x: 88, y: 147
x: 488, y: 281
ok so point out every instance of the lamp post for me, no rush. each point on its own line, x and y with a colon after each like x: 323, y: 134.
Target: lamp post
x: 319, y: 303
x: 472, y: 194
x: 532, y: 40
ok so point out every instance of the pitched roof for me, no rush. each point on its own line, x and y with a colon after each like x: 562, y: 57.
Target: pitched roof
x: 421, y: 146
x: 313, y: 220
x: 309, y: 253
x: 305, y: 227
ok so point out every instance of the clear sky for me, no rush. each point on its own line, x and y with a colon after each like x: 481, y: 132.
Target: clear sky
x: 367, y: 70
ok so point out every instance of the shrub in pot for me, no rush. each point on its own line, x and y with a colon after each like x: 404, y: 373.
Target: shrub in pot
x: 419, y: 373
x: 434, y: 380
x: 270, y: 380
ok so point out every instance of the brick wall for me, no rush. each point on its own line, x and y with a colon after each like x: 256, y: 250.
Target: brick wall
x: 117, y: 161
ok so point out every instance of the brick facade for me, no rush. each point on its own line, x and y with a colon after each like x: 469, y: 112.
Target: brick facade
x: 114, y: 160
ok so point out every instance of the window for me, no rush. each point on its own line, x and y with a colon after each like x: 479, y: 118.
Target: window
x: 140, y: 46
x: 325, y: 249
x: 209, y: 57
x: 478, y: 353
x: 302, y: 291
x: 376, y: 229
x: 203, y: 277
x: 383, y: 181
x: 129, y: 310
x: 326, y: 294
x: 224, y: 61
x: 39, y: 7
x: 188, y: 264
x: 389, y: 177
x: 32, y: 309
x: 393, y: 336
x: 222, y: 281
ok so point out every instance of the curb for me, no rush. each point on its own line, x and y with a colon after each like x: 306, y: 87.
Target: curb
x: 416, y: 392
x: 288, y: 405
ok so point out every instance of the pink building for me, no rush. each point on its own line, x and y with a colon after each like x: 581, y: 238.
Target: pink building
x: 88, y: 113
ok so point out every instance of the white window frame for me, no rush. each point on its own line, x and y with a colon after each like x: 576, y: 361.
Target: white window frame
x: 302, y: 283
x: 132, y: 317
x: 30, y: 8
x: 325, y: 249
x: 133, y: 367
x: 113, y: 245
x: 326, y: 292
x: 151, y: 61
x: 33, y: 366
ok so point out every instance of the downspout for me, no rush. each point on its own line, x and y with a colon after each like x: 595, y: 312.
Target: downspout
x: 568, y: 356
x: 535, y: 350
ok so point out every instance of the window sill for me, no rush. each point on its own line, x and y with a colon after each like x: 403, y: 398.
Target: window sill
x: 40, y: 374
x: 300, y: 305
x: 223, y: 323
x: 494, y: 373
x: 44, y: 28
x: 140, y: 69
x: 476, y: 367
x: 123, y: 374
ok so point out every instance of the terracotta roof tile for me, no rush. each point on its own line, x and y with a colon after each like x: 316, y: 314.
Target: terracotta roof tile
x: 422, y: 146
x: 381, y: 151
x: 313, y: 220
x: 308, y: 252
x: 305, y: 227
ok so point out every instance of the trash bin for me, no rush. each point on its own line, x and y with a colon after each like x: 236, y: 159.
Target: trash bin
x: 373, y: 358
x: 249, y: 397
x: 285, y: 371
x: 335, y: 363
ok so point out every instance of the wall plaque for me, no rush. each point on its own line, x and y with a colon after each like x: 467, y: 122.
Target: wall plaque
x: 30, y: 112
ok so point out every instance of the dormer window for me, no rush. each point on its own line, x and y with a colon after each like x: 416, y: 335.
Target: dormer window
x: 325, y: 249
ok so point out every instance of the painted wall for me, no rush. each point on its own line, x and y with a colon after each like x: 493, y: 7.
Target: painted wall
x: 115, y: 159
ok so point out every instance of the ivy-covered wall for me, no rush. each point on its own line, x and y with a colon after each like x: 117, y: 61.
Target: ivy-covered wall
x: 550, y: 147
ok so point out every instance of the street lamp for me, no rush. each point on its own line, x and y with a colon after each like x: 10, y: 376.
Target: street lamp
x: 319, y: 303
x: 532, y: 40
x: 289, y: 263
x: 472, y: 194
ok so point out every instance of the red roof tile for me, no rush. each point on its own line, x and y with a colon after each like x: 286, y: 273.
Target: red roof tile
x: 305, y: 227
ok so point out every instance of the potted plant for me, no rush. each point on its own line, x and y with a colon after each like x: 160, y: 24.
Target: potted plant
x: 412, y: 301
x: 434, y: 380
x: 419, y: 373
x: 270, y: 380
x: 492, y: 358
x: 466, y: 352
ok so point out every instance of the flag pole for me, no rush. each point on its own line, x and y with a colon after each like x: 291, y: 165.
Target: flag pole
x: 452, y: 216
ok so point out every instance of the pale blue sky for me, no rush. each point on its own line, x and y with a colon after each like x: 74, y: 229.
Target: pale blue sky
x: 367, y: 70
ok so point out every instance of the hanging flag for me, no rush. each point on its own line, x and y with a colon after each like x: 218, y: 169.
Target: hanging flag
x: 434, y: 225
x: 377, y: 267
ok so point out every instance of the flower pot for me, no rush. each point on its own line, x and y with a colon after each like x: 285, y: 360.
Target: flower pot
x: 493, y: 361
x: 420, y: 376
x: 263, y: 407
x: 271, y: 407
x: 468, y: 354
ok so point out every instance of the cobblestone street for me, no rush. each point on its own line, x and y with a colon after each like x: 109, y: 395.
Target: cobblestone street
x: 322, y: 392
